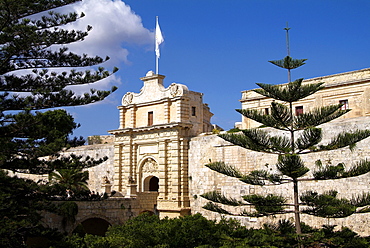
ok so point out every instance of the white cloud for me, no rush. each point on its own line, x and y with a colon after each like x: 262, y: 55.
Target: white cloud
x: 114, y: 25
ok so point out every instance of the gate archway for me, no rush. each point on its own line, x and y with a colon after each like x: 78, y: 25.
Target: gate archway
x: 95, y: 226
x: 151, y: 183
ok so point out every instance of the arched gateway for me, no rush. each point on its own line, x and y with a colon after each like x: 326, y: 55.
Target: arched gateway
x: 151, y: 144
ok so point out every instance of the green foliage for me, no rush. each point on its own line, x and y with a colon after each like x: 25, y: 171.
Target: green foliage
x: 266, y: 205
x: 33, y: 42
x: 291, y: 165
x: 291, y: 92
x: 197, y: 231
x: 327, y: 205
x: 288, y: 63
x: 223, y: 168
x: 72, y: 179
x: 26, y: 44
x: 338, y: 171
x: 20, y: 204
x: 259, y: 177
x: 259, y: 140
x: 234, y: 130
x: 216, y: 208
x: 68, y: 210
x: 217, y: 197
x: 329, y: 171
x: 301, y: 136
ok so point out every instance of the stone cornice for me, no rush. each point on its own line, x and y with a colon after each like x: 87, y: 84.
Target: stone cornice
x: 151, y: 128
x: 322, y: 79
x: 167, y: 99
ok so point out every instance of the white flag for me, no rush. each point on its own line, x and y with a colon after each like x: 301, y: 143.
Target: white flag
x: 158, y: 39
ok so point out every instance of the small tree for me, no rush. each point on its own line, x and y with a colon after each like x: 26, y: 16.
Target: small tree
x: 303, y: 137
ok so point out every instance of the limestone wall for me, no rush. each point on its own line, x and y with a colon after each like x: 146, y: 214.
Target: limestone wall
x: 206, y: 148
x: 99, y: 174
x: 352, y: 88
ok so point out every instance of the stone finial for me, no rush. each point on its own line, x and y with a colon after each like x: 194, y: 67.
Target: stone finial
x: 149, y: 73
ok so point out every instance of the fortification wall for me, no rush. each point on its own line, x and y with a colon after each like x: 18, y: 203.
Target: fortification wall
x: 206, y: 148
x: 101, y: 174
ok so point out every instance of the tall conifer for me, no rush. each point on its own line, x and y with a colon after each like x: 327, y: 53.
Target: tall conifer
x: 303, y: 137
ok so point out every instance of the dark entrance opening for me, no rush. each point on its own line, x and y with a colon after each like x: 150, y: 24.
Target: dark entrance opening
x: 95, y: 226
x: 154, y: 184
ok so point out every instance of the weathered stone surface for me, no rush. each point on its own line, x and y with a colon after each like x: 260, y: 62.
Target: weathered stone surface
x: 206, y: 148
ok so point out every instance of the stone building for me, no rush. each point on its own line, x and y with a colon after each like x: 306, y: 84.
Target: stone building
x: 352, y: 89
x: 152, y: 142
x: 157, y: 157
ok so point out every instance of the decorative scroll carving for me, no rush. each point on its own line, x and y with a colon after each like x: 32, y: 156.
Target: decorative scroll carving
x: 127, y: 99
x: 175, y: 90
x: 150, y: 166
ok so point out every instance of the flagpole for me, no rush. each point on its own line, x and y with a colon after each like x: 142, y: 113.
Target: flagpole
x: 155, y: 43
x: 158, y: 40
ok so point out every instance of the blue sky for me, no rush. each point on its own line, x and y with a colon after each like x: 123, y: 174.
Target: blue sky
x: 218, y: 47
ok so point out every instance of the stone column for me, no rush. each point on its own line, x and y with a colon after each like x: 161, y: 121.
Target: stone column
x: 184, y: 173
x: 122, y: 113
x: 179, y: 110
x: 133, y: 117
x: 163, y: 168
x: 131, y: 179
x: 118, y: 166
x: 167, y: 114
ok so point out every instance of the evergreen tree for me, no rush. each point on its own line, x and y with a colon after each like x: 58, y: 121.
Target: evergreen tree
x: 303, y: 137
x: 35, y: 68
x: 32, y: 53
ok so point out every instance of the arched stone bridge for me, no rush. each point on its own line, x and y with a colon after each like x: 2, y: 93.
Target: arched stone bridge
x: 97, y: 216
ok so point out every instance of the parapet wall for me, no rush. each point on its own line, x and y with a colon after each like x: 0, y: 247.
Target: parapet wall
x: 206, y: 148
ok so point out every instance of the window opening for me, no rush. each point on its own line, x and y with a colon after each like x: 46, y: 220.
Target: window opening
x: 298, y: 110
x: 150, y: 118
x: 193, y: 111
x: 267, y: 111
x: 345, y: 104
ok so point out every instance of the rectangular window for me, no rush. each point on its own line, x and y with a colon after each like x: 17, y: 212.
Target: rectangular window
x: 150, y: 118
x: 345, y: 104
x: 193, y: 111
x: 267, y: 111
x: 298, y: 110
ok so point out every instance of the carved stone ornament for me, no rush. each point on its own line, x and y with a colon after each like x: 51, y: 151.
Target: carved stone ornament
x: 106, y: 180
x: 175, y: 90
x: 127, y: 99
x: 150, y: 166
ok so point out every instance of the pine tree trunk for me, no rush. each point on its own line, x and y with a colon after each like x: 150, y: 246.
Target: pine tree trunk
x: 297, y: 217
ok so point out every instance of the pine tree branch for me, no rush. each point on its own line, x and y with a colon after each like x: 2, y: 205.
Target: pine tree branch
x: 220, y: 198
x: 223, y: 168
x: 44, y: 82
x: 269, y: 204
x: 327, y: 205
x: 53, y: 100
x: 291, y: 92
x: 260, y: 177
x: 258, y: 140
x: 216, y: 208
x: 308, y: 139
x: 345, y: 139
x: 280, y: 117
x: 318, y: 116
x: 291, y: 165
x: 288, y: 63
